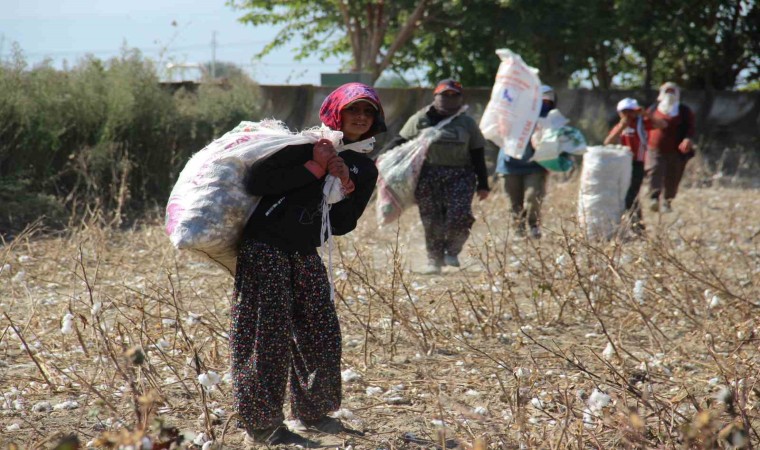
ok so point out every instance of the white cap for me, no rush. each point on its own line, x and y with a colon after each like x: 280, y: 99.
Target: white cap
x: 627, y: 103
x: 547, y: 93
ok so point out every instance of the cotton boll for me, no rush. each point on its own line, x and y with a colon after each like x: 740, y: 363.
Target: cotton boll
x: 598, y: 400
x: 67, y: 324
x: 537, y: 403
x: 168, y: 322
x: 67, y: 405
x: 588, y: 418
x: 163, y: 344
x: 344, y: 413
x: 24, y: 259
x: 227, y: 378
x: 638, y: 291
x: 472, y: 393
x: 42, y: 407
x: 522, y: 372
x: 714, y: 301
x: 19, y: 277
x: 725, y: 395
x: 200, y: 439
x: 192, y: 319
x: 437, y: 423
x: 209, y: 379
x: 13, y: 427
x: 5, y: 269
x: 374, y: 390
x: 609, y: 352
x: 95, y: 310
x: 480, y: 410
x: 349, y: 375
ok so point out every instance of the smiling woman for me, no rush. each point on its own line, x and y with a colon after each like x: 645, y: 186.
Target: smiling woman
x: 284, y: 322
x: 358, y: 117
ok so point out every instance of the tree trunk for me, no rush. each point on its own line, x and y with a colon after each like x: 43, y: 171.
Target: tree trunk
x: 648, y: 69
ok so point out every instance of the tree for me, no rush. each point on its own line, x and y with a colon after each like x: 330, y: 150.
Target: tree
x: 555, y: 36
x: 716, y: 41
x: 372, y: 31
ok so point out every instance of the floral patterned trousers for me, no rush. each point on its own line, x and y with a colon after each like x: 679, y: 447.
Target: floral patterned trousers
x: 283, y: 324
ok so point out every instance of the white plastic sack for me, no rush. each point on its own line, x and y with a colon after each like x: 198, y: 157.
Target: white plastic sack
x: 399, y: 171
x: 554, y: 136
x: 512, y: 111
x: 398, y: 174
x: 605, y: 178
x: 209, y: 206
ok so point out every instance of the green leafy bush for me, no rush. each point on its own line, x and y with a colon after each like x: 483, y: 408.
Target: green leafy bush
x: 106, y: 134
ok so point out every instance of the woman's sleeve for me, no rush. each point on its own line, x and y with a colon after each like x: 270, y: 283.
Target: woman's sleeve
x: 478, y: 158
x: 345, y: 214
x: 282, y: 172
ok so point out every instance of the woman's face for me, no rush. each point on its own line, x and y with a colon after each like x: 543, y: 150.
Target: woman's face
x: 357, y: 119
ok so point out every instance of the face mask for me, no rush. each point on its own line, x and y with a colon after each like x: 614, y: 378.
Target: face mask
x: 447, y: 105
x: 667, y: 102
x: 545, y: 108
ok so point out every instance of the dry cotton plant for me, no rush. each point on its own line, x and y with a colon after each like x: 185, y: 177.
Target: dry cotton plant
x: 112, y: 338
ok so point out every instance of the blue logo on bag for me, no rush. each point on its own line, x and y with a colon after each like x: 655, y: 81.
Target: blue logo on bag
x: 508, y: 97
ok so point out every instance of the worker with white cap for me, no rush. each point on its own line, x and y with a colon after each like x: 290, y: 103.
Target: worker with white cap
x: 525, y: 179
x: 632, y: 131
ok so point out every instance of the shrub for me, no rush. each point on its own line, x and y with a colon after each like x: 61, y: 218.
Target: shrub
x: 106, y: 134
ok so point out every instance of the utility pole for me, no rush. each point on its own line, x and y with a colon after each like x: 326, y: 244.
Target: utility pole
x: 213, y: 55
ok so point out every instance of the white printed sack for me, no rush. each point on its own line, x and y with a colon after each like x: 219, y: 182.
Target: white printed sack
x: 208, y: 207
x: 399, y: 171
x: 515, y: 104
x: 605, y: 178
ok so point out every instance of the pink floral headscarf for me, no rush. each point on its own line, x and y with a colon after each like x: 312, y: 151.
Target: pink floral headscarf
x: 343, y: 96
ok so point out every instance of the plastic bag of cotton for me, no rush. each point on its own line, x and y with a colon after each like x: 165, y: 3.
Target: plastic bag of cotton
x: 209, y: 205
x: 512, y: 112
x: 399, y: 171
x: 605, y: 178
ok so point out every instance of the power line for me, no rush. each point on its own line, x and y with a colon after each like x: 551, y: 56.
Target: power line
x: 142, y: 49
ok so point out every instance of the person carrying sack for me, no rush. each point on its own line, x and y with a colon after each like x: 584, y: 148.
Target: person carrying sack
x: 670, y: 148
x: 283, y: 319
x: 525, y: 179
x: 453, y: 171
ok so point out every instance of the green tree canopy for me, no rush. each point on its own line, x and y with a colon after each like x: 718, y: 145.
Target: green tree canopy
x: 608, y: 43
x: 372, y: 32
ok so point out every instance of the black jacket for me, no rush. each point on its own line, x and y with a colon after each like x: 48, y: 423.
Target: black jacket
x: 289, y: 215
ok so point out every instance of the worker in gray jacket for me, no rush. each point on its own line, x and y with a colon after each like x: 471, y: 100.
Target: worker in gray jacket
x: 453, y: 170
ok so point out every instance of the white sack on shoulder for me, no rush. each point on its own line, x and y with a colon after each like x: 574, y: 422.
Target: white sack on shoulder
x: 515, y: 104
x: 209, y: 205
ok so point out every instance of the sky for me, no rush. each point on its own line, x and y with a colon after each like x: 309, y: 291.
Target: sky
x: 67, y: 30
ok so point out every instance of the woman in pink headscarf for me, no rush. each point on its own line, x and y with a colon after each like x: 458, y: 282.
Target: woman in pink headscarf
x: 283, y: 319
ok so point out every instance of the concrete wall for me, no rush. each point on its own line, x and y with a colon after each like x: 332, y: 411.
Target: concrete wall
x: 724, y: 119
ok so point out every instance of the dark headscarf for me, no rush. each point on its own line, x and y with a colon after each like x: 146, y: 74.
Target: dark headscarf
x: 343, y: 96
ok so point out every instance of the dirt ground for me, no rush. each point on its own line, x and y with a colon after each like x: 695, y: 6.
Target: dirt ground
x: 559, y: 343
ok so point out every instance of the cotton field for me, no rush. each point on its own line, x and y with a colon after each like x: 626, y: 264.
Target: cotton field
x: 114, y: 339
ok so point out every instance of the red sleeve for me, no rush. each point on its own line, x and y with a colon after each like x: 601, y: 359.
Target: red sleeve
x: 617, y: 129
x: 647, y: 123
